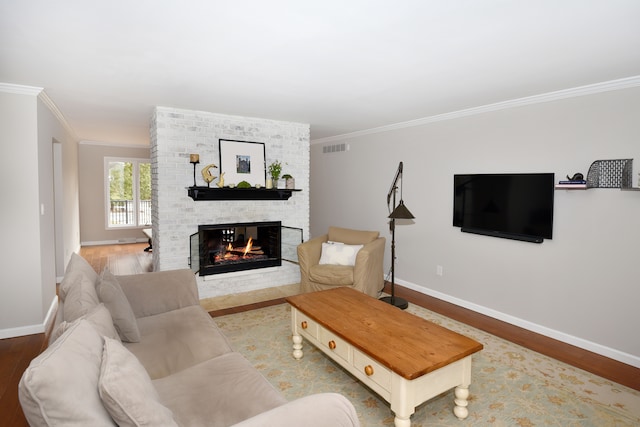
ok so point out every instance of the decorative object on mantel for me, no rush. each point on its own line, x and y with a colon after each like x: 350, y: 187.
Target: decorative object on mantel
x: 275, y: 169
x: 399, y: 212
x: 221, y: 181
x: 243, y: 161
x: 244, y: 184
x: 290, y: 182
x: 269, y: 184
x: 207, y: 175
x: 194, y: 159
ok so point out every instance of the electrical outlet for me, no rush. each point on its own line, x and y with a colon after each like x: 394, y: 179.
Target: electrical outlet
x: 439, y: 270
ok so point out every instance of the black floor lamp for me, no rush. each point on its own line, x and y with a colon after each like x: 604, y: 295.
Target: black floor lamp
x: 399, y: 212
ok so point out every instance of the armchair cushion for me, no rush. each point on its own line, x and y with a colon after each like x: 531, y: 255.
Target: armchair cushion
x: 331, y: 275
x: 338, y: 253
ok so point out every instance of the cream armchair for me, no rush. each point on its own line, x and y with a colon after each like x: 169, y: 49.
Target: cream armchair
x: 366, y: 275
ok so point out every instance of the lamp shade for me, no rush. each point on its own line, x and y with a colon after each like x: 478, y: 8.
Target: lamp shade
x: 401, y: 212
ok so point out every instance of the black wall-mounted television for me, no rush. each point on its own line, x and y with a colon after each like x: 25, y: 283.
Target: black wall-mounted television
x: 512, y: 206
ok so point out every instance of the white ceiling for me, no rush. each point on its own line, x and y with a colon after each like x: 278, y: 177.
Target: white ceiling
x: 342, y: 66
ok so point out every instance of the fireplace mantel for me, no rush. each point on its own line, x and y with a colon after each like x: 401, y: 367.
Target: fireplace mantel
x: 207, y: 193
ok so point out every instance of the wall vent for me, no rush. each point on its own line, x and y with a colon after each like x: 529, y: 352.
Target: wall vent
x: 335, y: 148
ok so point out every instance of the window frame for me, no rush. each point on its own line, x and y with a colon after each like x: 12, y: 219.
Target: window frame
x: 135, y: 190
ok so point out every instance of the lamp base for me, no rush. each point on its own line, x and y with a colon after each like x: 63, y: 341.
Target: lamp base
x: 395, y: 301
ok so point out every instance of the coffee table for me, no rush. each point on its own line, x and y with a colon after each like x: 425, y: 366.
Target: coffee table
x: 405, y: 359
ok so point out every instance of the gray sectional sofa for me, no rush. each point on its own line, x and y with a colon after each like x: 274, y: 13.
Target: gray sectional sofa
x: 139, y: 350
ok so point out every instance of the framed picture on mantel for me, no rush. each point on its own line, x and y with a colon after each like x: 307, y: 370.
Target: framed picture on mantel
x: 242, y: 161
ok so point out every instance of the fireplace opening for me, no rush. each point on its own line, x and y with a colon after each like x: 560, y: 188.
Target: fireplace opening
x: 223, y: 248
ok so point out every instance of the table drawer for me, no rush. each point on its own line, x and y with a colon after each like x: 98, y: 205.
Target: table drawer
x: 305, y: 325
x: 334, y: 343
x: 374, y: 371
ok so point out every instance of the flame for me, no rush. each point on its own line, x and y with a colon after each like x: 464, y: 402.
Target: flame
x: 248, y: 247
x: 229, y: 247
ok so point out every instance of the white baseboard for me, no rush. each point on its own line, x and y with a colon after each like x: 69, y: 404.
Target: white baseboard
x: 602, y: 350
x: 114, y: 242
x: 32, y: 329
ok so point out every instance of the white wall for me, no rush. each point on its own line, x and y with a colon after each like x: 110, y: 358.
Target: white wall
x: 581, y: 287
x: 93, y: 230
x: 27, y: 257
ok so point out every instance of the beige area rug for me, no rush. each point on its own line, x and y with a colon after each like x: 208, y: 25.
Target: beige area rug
x: 511, y: 385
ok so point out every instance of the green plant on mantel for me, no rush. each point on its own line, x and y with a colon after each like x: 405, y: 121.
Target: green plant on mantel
x: 274, y: 170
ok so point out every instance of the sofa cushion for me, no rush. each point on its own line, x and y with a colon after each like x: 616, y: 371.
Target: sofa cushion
x: 333, y: 275
x: 60, y: 386
x: 77, y: 265
x: 177, y: 339
x: 126, y: 389
x: 80, y: 299
x: 336, y: 253
x: 99, y: 317
x: 113, y: 297
x: 351, y: 237
x: 218, y: 392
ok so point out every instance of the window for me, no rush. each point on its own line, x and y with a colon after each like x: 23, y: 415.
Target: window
x: 128, y: 190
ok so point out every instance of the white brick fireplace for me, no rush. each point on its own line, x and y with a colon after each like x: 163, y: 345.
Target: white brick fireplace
x: 176, y: 133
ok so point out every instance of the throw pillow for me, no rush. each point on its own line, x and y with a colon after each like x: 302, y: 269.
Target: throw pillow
x: 116, y: 301
x: 99, y: 317
x: 336, y: 253
x: 77, y: 265
x: 126, y: 389
x: 81, y: 298
x: 60, y: 386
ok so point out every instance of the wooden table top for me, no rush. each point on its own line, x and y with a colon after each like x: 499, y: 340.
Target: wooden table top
x: 407, y: 344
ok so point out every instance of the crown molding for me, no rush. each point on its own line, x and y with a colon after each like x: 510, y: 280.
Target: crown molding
x: 57, y: 113
x: 20, y: 89
x: 608, y: 86
x: 111, y: 145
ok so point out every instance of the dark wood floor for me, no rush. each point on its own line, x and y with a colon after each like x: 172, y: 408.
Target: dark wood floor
x: 16, y: 353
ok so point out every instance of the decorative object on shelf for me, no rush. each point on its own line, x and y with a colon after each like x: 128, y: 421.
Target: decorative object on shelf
x: 399, y: 212
x: 221, y: 181
x: 275, y: 169
x: 610, y: 174
x: 576, y: 177
x: 207, y: 175
x: 290, y: 182
x: 269, y: 184
x: 243, y: 161
x: 194, y: 159
x: 258, y: 186
x: 244, y: 184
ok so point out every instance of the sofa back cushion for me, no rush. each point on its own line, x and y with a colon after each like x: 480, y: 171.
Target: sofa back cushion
x: 352, y: 237
x: 60, y: 386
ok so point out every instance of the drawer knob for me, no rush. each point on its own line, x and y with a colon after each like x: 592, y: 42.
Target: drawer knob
x: 368, y: 370
x: 332, y: 345
x: 304, y: 324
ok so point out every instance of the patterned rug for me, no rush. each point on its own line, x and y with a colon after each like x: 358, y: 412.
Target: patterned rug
x: 510, y: 385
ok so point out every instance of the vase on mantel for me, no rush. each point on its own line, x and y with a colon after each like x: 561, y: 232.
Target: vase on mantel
x: 269, y: 184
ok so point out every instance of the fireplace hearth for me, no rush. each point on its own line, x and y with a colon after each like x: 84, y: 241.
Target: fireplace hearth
x: 224, y: 248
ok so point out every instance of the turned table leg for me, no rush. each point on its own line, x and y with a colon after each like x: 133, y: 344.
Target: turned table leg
x: 297, y: 346
x: 461, y: 401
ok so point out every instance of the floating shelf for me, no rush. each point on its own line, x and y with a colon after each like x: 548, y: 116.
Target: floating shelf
x: 207, y: 193
x: 606, y: 174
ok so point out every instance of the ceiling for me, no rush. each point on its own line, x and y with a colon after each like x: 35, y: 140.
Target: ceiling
x: 341, y: 66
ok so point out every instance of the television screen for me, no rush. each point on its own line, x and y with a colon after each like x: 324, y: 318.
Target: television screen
x: 514, y: 206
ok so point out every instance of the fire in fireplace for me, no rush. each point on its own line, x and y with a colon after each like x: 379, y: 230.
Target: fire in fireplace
x: 223, y: 248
